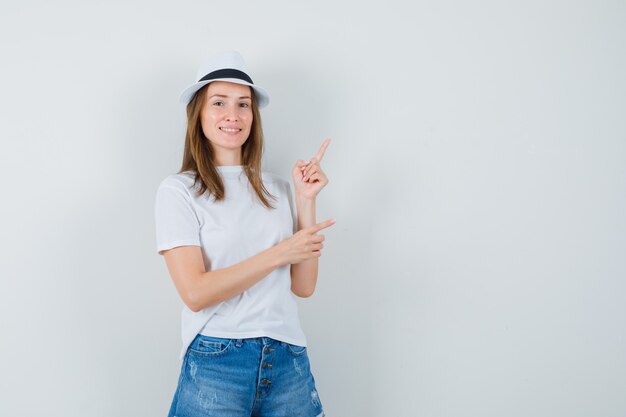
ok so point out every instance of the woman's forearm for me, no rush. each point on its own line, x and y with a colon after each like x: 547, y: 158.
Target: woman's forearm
x: 219, y: 285
x: 304, y: 274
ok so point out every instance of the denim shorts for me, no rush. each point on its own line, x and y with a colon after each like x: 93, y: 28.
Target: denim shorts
x: 258, y: 377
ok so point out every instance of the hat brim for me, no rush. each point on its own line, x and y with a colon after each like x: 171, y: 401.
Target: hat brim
x: 262, y: 96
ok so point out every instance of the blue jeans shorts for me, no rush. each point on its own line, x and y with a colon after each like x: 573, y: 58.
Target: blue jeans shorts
x: 258, y: 377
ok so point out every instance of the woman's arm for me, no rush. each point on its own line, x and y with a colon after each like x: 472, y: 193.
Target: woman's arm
x: 304, y: 274
x: 200, y: 289
x: 308, y: 180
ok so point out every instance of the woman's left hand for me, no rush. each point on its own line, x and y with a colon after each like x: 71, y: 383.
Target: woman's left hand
x: 308, y: 177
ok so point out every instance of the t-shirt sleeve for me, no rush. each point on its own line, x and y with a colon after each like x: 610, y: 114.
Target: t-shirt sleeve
x: 176, y: 220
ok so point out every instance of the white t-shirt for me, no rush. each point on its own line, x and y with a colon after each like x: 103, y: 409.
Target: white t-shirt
x: 228, y: 232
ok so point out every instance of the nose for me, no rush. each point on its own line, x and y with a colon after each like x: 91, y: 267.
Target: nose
x: 231, y: 114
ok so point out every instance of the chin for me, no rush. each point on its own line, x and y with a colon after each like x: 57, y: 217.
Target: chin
x: 231, y: 145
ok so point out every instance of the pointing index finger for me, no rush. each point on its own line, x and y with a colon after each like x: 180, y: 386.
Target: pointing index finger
x: 327, y: 223
x: 320, y: 153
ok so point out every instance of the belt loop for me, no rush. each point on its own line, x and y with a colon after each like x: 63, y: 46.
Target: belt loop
x: 238, y: 342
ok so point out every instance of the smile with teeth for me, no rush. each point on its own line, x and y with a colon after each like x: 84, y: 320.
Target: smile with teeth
x: 229, y: 130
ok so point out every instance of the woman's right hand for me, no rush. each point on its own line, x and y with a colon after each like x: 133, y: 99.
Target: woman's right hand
x: 304, y: 244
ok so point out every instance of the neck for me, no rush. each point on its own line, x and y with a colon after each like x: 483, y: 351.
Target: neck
x: 228, y: 158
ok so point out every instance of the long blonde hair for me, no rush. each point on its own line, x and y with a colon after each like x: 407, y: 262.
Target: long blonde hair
x: 198, y: 155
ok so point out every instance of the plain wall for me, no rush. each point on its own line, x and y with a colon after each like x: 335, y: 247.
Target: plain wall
x: 477, y: 175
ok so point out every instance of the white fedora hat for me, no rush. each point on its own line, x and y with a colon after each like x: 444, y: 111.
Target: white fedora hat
x: 226, y: 66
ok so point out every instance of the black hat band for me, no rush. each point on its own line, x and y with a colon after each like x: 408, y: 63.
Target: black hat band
x: 227, y: 73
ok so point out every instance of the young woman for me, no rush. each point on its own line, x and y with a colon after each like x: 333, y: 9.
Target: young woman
x: 237, y: 253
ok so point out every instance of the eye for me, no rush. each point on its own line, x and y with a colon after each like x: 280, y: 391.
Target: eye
x: 218, y: 103
x: 244, y: 105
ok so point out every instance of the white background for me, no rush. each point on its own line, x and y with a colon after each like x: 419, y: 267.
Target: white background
x: 477, y: 175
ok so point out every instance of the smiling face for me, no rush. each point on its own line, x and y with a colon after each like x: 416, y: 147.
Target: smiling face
x: 226, y: 119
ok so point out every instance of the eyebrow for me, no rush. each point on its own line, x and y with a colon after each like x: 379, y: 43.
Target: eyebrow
x: 222, y: 95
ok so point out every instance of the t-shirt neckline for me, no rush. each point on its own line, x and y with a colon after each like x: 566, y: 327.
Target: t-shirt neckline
x: 229, y: 168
